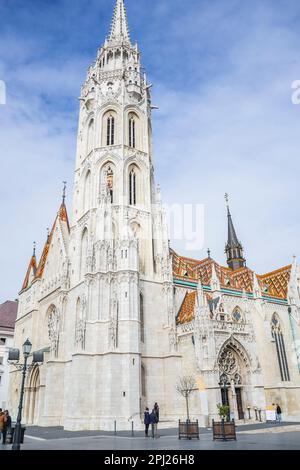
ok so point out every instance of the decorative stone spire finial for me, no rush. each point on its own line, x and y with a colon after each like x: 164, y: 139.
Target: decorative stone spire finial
x: 34, y: 248
x: 234, y: 249
x: 119, y: 27
x: 64, y: 192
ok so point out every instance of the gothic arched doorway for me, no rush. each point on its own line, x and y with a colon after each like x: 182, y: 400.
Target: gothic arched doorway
x: 233, y: 363
x: 33, y: 399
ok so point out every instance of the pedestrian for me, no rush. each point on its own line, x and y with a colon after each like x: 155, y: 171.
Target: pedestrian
x: 153, y: 423
x: 156, y: 409
x: 2, y: 422
x: 147, y: 421
x: 7, y: 425
x: 278, y: 413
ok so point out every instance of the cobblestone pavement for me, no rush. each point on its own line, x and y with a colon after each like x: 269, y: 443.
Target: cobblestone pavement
x: 251, y: 437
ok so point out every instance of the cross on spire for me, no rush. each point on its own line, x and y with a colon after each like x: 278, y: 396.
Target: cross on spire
x: 34, y: 248
x: 119, y: 27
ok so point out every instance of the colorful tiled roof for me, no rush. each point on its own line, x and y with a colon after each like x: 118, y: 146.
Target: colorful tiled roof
x: 63, y: 216
x: 274, y: 284
x: 31, y: 269
x: 187, y: 309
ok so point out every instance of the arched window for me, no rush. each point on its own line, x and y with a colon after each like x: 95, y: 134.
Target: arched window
x: 83, y: 253
x: 142, y: 320
x: 110, y: 183
x: 222, y: 313
x: 277, y: 335
x: 237, y: 315
x: 110, y: 130
x: 132, y: 188
x: 132, y: 131
x: 90, y: 136
x: 87, y: 192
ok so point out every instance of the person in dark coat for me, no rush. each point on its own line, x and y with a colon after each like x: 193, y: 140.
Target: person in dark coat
x: 156, y: 410
x: 278, y: 413
x: 153, y: 423
x: 147, y: 421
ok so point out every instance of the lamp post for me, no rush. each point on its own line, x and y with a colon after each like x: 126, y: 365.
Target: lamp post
x: 13, y: 358
x: 17, y: 434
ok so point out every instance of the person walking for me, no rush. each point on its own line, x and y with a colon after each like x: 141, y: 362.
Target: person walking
x: 7, y: 425
x: 156, y: 409
x: 278, y: 413
x: 147, y: 421
x: 153, y: 423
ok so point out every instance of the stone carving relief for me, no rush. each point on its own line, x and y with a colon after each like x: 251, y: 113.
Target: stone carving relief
x: 53, y: 330
x: 80, y: 327
x: 113, y: 326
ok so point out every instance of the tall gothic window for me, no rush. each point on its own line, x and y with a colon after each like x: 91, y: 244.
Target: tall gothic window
x: 132, y: 188
x: 110, y: 137
x: 110, y: 183
x: 280, y: 349
x: 132, y: 130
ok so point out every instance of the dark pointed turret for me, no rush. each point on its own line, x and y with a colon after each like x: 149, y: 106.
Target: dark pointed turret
x: 234, y: 249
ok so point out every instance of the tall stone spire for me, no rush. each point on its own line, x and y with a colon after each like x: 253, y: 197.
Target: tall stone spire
x: 119, y: 28
x: 234, y: 249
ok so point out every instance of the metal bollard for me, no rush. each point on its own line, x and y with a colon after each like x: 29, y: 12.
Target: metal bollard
x: 115, y: 428
x: 132, y: 429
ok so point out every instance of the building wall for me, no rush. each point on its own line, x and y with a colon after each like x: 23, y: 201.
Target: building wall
x: 6, y: 341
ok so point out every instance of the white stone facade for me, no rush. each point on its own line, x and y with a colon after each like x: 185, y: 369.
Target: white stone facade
x: 103, y: 301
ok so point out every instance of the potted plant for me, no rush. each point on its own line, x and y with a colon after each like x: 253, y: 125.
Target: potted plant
x: 224, y: 430
x: 224, y: 411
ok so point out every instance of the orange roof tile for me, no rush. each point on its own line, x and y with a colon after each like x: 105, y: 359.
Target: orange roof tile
x: 32, y: 266
x: 63, y: 216
x: 186, y: 312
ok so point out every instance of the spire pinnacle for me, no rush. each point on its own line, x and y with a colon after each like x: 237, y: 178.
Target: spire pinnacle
x: 234, y: 249
x: 64, y: 192
x: 119, y: 27
x: 34, y: 248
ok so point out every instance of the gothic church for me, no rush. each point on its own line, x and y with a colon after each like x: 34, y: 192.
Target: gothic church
x: 121, y: 316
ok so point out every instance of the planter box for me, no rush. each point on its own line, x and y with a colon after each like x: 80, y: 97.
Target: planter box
x: 224, y: 431
x: 188, y: 430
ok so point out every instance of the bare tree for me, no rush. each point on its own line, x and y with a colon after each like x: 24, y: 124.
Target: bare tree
x: 185, y: 387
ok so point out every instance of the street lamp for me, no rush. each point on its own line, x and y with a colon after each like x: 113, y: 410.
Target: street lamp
x: 13, y: 358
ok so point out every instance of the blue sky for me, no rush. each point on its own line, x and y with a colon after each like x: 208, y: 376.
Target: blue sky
x: 222, y: 72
